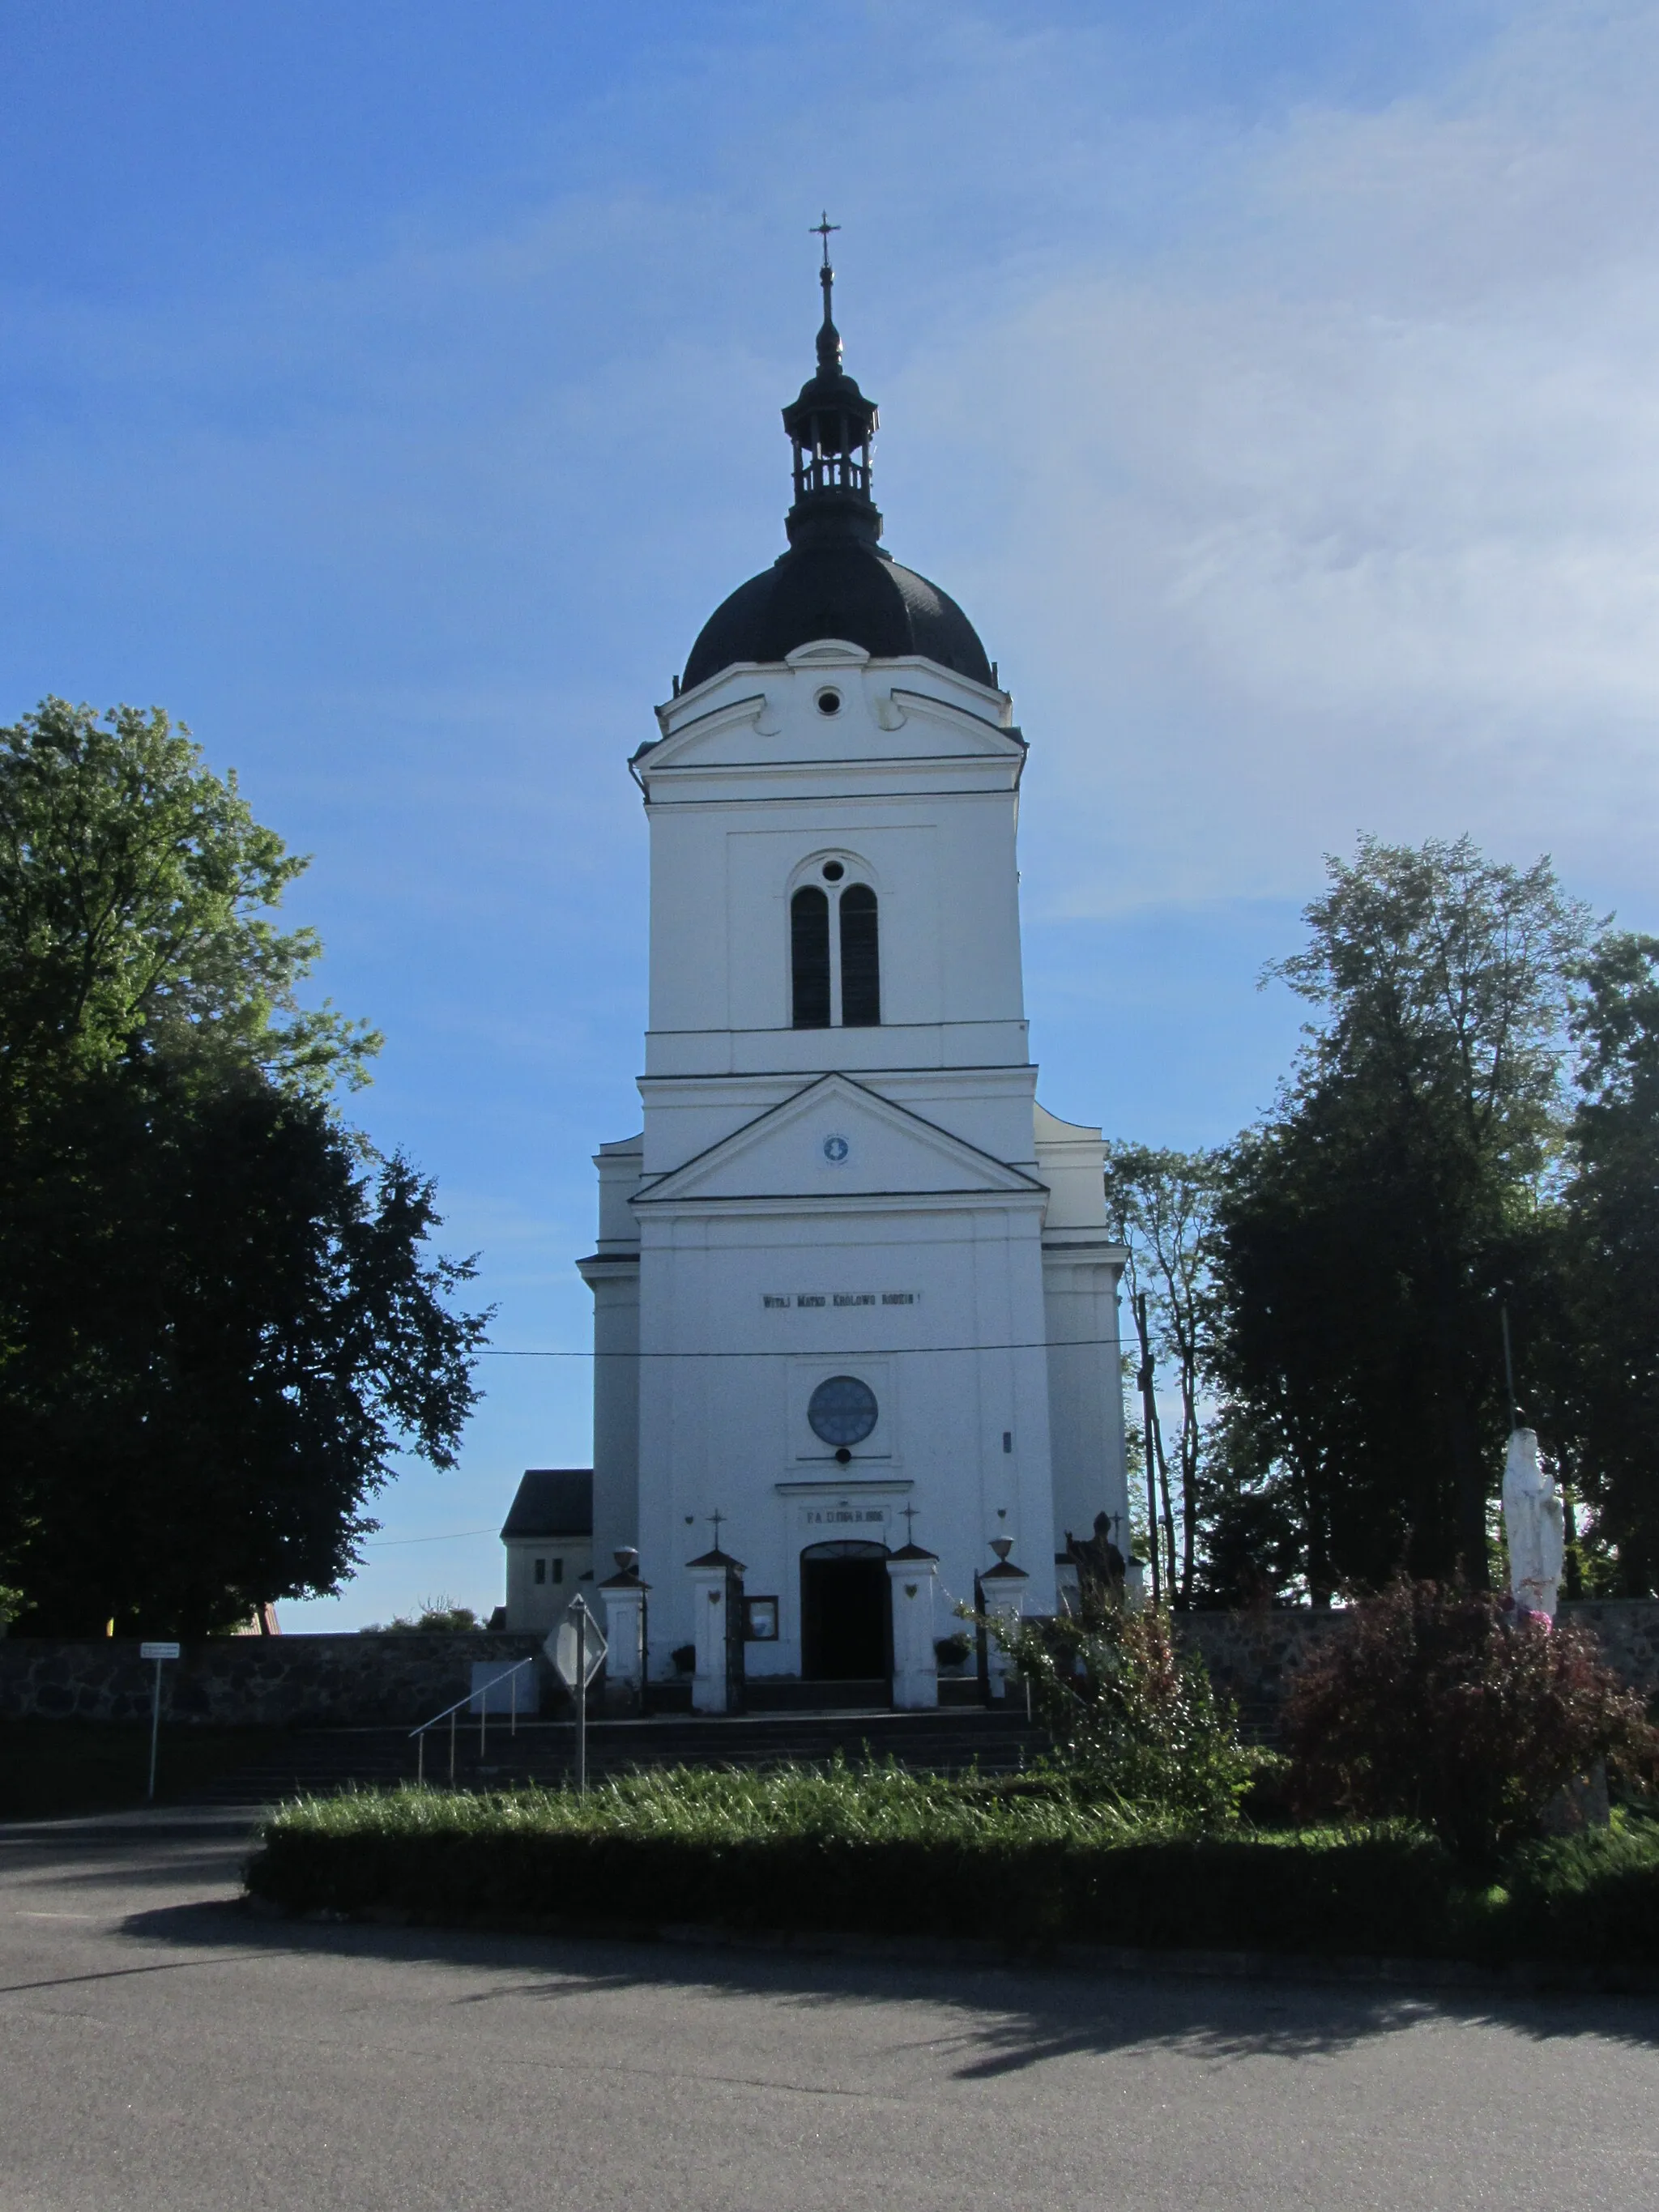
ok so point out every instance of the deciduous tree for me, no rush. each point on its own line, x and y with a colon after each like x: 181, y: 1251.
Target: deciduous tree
x: 1369, y: 1229
x: 219, y: 1320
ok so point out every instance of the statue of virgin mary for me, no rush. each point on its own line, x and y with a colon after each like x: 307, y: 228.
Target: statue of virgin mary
x: 1532, y: 1525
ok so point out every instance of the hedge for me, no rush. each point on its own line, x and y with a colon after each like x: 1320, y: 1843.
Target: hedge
x: 895, y: 1854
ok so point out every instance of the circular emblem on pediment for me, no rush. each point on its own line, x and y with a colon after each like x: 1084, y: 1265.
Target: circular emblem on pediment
x: 835, y: 1150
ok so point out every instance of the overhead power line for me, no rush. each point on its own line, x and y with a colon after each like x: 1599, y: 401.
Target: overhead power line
x: 817, y: 1351
x: 453, y: 1536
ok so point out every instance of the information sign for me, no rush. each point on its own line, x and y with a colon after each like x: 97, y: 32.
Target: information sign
x: 158, y: 1650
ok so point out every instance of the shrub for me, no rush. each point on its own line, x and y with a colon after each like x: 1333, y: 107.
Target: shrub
x: 951, y: 1650
x: 1438, y: 1703
x: 1132, y: 1714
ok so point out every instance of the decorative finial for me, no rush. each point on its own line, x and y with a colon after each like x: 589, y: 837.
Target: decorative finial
x: 715, y: 1518
x: 829, y: 336
x: 909, y: 1524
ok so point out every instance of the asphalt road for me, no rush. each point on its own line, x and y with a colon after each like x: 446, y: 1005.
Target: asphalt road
x: 159, y: 2050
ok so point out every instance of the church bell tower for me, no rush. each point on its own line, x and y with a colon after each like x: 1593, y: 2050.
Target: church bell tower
x: 853, y: 1288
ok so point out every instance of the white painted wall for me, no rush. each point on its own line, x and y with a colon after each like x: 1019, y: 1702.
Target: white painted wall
x: 958, y: 1243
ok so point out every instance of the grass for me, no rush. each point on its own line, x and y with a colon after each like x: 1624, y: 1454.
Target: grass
x: 50, y: 1770
x: 883, y: 1851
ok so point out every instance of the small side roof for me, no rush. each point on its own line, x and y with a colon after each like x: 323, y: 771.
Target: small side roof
x: 552, y: 1501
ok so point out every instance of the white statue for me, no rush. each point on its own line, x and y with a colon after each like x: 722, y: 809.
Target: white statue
x: 1533, y: 1525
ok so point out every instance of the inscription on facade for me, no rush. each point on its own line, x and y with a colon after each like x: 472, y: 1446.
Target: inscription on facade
x: 781, y: 1301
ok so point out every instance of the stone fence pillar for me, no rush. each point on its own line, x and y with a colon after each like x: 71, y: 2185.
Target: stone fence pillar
x: 1004, y: 1589
x: 912, y: 1577
x: 717, y: 1637
x: 624, y: 1597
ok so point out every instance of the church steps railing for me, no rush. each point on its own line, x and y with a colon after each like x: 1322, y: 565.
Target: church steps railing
x: 451, y: 1713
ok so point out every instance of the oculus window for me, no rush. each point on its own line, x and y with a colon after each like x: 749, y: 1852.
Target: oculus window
x: 842, y: 1411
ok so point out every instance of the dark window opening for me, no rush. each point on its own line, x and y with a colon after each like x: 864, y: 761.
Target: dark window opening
x: 833, y: 872
x: 541, y: 1570
x: 558, y: 1570
x: 809, y: 958
x: 860, y: 959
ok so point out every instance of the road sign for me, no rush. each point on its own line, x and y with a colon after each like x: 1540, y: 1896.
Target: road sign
x: 158, y: 1652
x: 577, y: 1646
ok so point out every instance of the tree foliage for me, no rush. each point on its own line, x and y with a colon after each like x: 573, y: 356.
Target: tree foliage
x: 218, y: 1320
x: 1161, y: 1203
x: 1598, y: 1334
x: 136, y: 895
x: 1368, y: 1230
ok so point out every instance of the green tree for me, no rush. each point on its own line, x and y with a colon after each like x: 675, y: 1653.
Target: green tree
x: 1369, y: 1229
x: 1162, y: 1204
x: 218, y: 1318
x: 1250, y: 1548
x: 1598, y: 1334
x: 135, y: 896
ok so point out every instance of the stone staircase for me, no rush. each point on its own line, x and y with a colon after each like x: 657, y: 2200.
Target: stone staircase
x: 324, y: 1761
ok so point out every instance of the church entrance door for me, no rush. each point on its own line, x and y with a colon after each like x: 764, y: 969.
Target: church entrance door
x: 845, y: 1612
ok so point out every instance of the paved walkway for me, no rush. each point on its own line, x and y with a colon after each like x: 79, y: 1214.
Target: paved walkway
x: 159, y: 2050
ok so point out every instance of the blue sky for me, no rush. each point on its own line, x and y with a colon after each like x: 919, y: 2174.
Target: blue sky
x: 390, y: 391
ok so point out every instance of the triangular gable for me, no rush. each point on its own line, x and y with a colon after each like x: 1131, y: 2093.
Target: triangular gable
x: 837, y: 1139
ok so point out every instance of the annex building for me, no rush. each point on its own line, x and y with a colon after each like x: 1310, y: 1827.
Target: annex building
x: 855, y: 1312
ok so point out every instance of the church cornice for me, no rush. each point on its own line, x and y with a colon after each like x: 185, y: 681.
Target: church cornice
x: 968, y: 1198
x: 824, y: 781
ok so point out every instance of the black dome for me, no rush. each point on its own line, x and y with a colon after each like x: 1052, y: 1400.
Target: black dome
x: 835, y: 580
x: 838, y: 586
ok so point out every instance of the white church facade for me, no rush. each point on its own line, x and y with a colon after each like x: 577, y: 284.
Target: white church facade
x: 855, y: 1296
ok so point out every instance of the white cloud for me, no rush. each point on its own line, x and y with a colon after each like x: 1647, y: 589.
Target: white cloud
x: 1348, y: 514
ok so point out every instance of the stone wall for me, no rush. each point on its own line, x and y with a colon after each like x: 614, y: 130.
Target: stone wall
x: 392, y: 1681
x: 1254, y: 1656
x: 242, y: 1681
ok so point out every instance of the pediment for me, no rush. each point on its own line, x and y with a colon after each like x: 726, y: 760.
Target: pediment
x: 837, y: 1139
x: 895, y: 712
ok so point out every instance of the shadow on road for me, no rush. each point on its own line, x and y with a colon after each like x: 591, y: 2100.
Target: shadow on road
x: 1012, y: 2018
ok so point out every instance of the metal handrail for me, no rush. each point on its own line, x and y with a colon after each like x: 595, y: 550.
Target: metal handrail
x: 481, y: 1693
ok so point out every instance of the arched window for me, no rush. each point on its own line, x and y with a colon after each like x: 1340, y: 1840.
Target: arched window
x: 860, y: 959
x: 809, y: 958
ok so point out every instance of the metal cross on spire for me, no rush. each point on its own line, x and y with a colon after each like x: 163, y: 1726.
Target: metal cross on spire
x: 715, y: 1518
x: 909, y: 1524
x: 829, y: 336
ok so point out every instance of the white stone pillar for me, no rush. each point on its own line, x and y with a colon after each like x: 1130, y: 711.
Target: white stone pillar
x: 711, y: 1690
x: 1004, y: 1588
x: 624, y: 1597
x: 912, y: 1577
